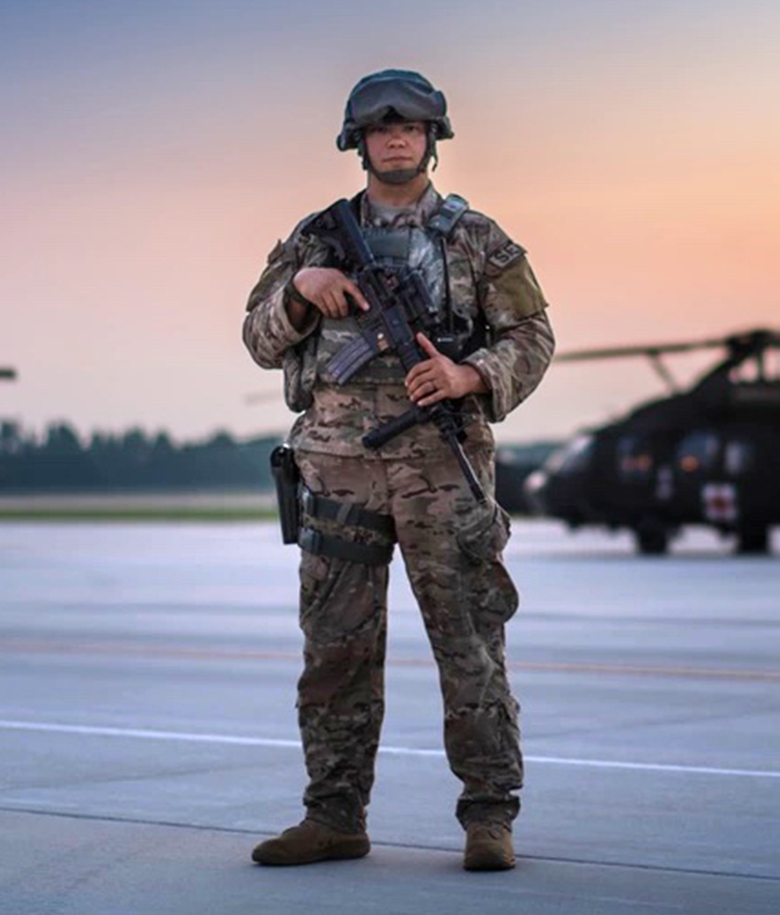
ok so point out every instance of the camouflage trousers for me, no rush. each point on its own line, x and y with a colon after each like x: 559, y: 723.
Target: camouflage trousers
x: 451, y: 548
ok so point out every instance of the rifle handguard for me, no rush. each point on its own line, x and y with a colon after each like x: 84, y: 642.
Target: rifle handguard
x: 382, y: 434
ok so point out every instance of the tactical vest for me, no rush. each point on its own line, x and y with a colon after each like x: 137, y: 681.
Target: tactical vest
x: 424, y: 250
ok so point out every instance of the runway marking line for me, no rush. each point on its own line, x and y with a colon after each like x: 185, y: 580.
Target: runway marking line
x: 587, y: 667
x: 236, y: 740
x: 239, y: 830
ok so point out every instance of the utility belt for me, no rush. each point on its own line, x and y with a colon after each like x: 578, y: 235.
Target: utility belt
x: 298, y: 504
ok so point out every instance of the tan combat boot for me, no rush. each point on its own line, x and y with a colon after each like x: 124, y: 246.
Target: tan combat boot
x: 311, y: 841
x: 488, y: 847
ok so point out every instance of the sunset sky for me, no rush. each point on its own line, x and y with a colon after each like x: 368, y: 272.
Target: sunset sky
x: 154, y: 150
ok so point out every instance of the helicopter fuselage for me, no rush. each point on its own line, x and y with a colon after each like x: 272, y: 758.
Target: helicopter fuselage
x: 708, y: 456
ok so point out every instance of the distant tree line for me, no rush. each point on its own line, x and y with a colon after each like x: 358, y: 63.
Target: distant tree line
x: 60, y: 460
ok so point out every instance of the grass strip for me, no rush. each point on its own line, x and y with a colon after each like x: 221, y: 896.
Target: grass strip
x: 138, y: 514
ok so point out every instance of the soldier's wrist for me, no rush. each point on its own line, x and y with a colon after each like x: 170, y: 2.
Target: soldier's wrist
x: 293, y: 294
x: 475, y: 381
x: 297, y: 306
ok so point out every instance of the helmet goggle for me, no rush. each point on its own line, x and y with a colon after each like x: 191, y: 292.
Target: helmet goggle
x: 393, y: 93
x: 373, y: 103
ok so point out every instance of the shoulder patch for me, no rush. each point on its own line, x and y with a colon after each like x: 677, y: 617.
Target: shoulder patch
x: 505, y: 255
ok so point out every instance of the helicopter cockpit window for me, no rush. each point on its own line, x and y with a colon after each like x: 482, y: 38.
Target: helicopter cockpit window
x: 738, y: 458
x: 634, y: 459
x: 573, y: 458
x: 753, y: 370
x: 698, y: 452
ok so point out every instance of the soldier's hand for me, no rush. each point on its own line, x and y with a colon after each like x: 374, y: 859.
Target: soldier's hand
x: 327, y: 288
x: 439, y: 378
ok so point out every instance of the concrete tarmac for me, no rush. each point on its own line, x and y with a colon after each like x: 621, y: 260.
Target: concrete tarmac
x: 147, y: 726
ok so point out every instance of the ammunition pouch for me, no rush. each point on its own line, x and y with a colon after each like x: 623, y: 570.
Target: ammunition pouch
x: 484, y: 534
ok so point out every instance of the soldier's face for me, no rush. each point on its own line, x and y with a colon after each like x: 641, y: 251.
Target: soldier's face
x: 395, y: 147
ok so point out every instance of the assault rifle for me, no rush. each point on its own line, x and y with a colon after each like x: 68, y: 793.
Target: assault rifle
x: 399, y: 306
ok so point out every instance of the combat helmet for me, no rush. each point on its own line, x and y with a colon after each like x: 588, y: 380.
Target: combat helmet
x: 391, y: 95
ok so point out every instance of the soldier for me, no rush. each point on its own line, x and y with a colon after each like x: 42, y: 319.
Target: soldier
x: 491, y: 345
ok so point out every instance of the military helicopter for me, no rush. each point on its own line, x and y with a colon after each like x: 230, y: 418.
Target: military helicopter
x: 706, y: 455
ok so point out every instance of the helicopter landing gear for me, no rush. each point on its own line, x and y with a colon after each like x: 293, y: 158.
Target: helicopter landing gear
x: 753, y: 541
x: 652, y: 539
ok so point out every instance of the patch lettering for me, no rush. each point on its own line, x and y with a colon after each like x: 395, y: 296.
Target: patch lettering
x: 505, y: 255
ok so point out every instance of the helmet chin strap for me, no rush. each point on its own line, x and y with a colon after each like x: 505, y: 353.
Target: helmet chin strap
x: 401, y: 175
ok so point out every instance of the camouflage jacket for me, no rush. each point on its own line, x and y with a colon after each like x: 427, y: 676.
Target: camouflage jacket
x: 489, y: 280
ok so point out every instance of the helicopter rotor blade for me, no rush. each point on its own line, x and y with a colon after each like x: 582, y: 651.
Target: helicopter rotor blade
x: 754, y: 340
x: 652, y: 350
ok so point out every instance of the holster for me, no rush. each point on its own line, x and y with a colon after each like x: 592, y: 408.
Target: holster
x: 297, y: 502
x: 287, y: 478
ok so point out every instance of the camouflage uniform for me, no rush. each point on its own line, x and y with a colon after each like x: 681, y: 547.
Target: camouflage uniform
x: 451, y: 545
